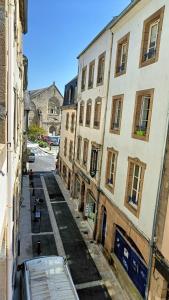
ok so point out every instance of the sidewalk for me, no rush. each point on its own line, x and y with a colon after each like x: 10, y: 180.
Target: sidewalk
x: 108, y: 277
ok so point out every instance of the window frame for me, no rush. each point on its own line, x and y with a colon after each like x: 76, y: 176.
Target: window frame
x: 123, y: 41
x: 147, y: 25
x: 83, y: 78
x: 88, y: 104
x: 67, y: 121
x: 91, y: 67
x: 81, y: 107
x: 85, y: 155
x: 70, y: 150
x: 65, y: 147
x: 138, y: 134
x: 110, y: 153
x: 114, y: 100
x: 95, y: 126
x: 72, y: 122
x: 100, y: 58
x: 135, y: 210
x: 79, y: 148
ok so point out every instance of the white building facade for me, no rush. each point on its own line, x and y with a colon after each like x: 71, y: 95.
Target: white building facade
x: 93, y: 80
x: 134, y: 137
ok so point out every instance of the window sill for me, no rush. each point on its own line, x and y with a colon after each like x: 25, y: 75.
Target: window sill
x: 115, y: 131
x: 144, y: 138
x: 110, y: 188
x: 87, y: 125
x: 148, y: 62
x: 90, y: 87
x: 135, y: 211
x: 119, y: 73
x: 82, y: 90
x: 96, y: 127
x: 99, y: 83
x: 81, y: 124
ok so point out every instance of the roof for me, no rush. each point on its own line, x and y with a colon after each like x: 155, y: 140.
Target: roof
x: 49, y: 278
x: 34, y: 93
x: 112, y: 23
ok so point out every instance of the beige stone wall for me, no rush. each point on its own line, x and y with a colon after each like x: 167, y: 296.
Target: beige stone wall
x: 116, y: 217
x: 40, y: 102
x: 3, y: 62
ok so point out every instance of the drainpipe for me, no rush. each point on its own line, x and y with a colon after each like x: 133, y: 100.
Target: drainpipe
x: 10, y: 101
x: 103, y: 135
x: 73, y: 164
x: 153, y: 234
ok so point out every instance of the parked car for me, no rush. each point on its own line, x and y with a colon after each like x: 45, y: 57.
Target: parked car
x: 54, y: 140
x: 45, y: 138
x: 31, y: 157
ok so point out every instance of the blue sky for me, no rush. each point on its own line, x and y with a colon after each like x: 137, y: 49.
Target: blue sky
x: 58, y: 30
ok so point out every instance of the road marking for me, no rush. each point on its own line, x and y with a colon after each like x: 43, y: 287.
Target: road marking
x: 54, y: 202
x: 88, y: 284
x: 42, y: 233
x: 58, y: 241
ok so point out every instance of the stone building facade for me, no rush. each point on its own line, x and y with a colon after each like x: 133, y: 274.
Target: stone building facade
x: 45, y: 110
x: 13, y: 23
x: 68, y: 130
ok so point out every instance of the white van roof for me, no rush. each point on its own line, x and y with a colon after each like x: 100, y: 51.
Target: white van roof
x: 49, y: 278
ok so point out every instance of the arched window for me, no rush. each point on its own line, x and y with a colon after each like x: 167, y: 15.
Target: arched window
x: 81, y: 113
x: 88, y: 112
x: 97, y: 113
x: 67, y: 121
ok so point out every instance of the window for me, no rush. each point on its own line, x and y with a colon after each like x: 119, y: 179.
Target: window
x: 79, y: 141
x: 121, y: 56
x: 142, y: 114
x: 91, y: 75
x: 81, y: 113
x: 91, y: 209
x: 65, y: 147
x: 72, y: 122
x: 64, y: 172
x: 151, y: 38
x: 134, y: 185
x: 100, y: 72
x: 116, y: 115
x: 97, y: 113
x: 83, y: 82
x: 111, y: 169
x: 67, y: 121
x: 94, y: 165
x: 88, y: 112
x: 70, y: 151
x: 85, y: 152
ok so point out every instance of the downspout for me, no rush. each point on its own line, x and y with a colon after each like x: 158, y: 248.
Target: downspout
x: 103, y: 135
x: 10, y: 101
x: 73, y: 165
x: 153, y: 235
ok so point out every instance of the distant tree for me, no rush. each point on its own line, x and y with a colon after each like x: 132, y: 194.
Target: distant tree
x: 35, y: 132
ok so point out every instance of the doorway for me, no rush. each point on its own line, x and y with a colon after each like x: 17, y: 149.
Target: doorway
x: 82, y: 197
x: 103, y: 228
x: 69, y: 181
